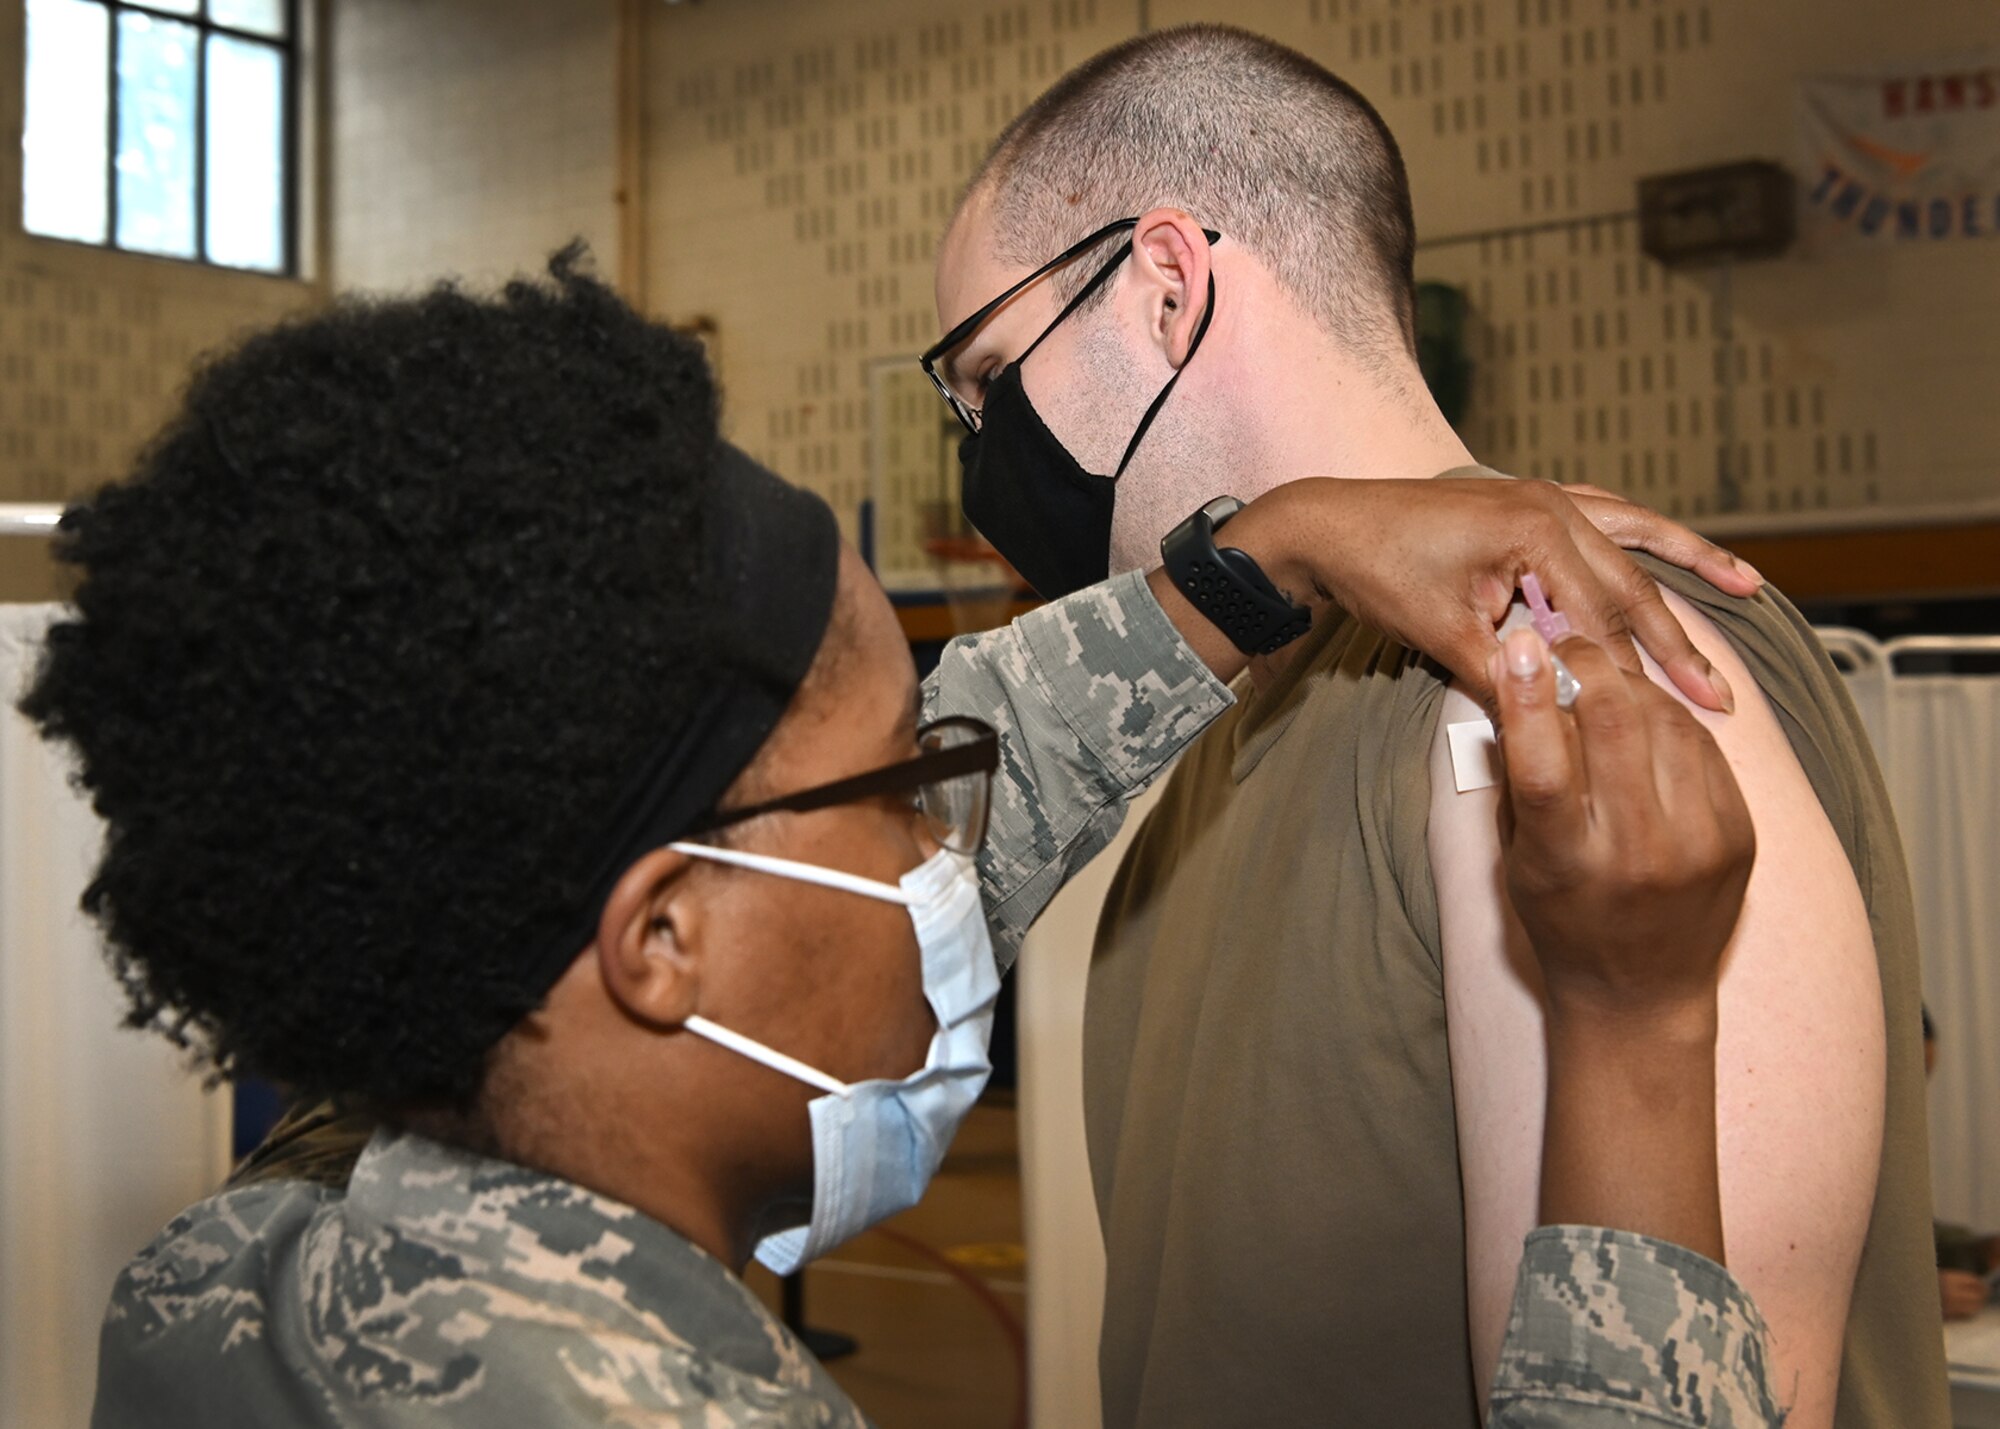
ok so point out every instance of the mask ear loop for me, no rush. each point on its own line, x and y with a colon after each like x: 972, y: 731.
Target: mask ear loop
x: 792, y: 868
x: 1153, y: 411
x: 769, y: 1056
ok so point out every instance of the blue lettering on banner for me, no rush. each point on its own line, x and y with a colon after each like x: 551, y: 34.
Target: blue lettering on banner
x: 1875, y: 213
x: 1902, y: 156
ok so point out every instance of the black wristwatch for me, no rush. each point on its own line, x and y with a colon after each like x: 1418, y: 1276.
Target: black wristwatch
x: 1229, y: 587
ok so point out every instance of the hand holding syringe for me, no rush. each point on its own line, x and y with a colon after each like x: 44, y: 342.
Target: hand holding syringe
x: 1533, y: 610
x: 1626, y: 846
x: 1471, y: 741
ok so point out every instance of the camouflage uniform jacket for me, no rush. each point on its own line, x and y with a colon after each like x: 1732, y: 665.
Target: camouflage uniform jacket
x: 435, y: 1287
x: 356, y: 1276
x: 443, y: 1288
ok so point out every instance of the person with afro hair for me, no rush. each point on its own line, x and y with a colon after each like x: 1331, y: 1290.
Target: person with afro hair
x: 495, y: 758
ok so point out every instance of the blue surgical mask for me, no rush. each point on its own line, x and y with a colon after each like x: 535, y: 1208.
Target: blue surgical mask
x: 877, y: 1144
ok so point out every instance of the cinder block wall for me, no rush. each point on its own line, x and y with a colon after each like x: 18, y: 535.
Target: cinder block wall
x: 802, y: 158
x: 469, y: 138
x: 795, y: 161
x: 94, y: 345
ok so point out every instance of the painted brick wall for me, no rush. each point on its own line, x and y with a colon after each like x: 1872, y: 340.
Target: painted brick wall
x: 470, y: 138
x: 803, y: 157
x: 94, y: 345
x: 800, y: 159
x: 1853, y: 379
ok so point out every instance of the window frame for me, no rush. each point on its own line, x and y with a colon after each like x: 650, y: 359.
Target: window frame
x: 288, y: 47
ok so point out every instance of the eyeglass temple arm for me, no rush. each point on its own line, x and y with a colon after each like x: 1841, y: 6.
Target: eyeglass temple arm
x: 966, y: 327
x: 982, y: 756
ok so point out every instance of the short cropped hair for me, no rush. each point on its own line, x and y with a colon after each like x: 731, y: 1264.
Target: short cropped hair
x: 363, y: 649
x: 1253, y: 139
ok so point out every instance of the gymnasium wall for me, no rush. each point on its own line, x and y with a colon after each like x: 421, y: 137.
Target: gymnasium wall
x: 801, y: 163
x: 94, y: 345
x: 469, y: 138
x: 801, y: 159
x: 444, y: 139
x: 782, y: 169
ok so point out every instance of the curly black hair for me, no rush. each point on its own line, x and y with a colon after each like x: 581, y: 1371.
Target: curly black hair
x: 363, y: 650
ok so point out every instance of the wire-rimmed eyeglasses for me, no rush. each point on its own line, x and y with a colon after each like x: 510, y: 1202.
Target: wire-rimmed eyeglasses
x: 968, y: 415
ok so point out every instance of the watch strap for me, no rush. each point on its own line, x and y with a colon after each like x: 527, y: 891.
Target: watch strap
x: 1228, y: 586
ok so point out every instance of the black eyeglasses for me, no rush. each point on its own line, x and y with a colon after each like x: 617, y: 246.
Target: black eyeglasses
x: 969, y: 415
x: 952, y: 783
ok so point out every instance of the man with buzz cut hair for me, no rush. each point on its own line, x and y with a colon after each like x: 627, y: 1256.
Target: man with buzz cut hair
x: 1185, y: 272
x: 1308, y: 173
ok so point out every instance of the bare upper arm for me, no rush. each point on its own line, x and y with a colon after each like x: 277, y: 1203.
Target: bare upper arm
x: 1799, y: 1062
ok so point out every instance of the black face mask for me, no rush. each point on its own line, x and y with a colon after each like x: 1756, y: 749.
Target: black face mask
x: 1027, y: 495
x: 1023, y: 490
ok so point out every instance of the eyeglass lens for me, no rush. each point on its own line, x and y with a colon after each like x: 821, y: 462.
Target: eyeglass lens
x: 955, y: 807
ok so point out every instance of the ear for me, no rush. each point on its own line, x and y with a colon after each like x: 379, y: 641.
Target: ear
x: 649, y: 940
x: 1170, y: 260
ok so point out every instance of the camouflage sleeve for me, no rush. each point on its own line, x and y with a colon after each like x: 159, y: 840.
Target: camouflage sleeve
x: 1093, y: 695
x: 1611, y: 1328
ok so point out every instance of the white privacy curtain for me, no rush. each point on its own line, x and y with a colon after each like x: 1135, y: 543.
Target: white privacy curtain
x: 1938, y: 739
x: 1058, y: 1205
x: 104, y: 1134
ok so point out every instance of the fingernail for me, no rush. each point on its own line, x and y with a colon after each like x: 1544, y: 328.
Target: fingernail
x: 1493, y: 671
x: 1749, y: 570
x: 1524, y: 653
x: 1722, y: 690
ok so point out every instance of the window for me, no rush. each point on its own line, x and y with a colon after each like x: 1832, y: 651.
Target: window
x: 164, y: 128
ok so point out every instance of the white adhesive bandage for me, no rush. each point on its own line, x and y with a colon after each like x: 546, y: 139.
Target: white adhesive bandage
x: 1474, y: 755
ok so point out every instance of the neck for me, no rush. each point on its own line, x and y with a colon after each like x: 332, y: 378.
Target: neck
x: 687, y: 1202
x: 676, y: 1165
x: 1338, y: 418
x: 1333, y: 415
x: 715, y: 1207
x: 718, y: 1211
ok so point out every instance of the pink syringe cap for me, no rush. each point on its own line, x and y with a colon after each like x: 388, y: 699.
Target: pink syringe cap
x: 1551, y: 625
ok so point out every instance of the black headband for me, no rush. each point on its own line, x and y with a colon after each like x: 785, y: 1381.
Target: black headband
x: 772, y: 557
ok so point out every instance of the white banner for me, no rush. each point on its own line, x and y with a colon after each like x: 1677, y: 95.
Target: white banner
x: 1905, y: 154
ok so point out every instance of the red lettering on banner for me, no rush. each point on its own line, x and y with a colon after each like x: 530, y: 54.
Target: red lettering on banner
x: 1933, y: 93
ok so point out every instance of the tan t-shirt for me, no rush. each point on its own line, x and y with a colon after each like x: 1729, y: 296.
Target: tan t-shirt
x: 1267, y: 1090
